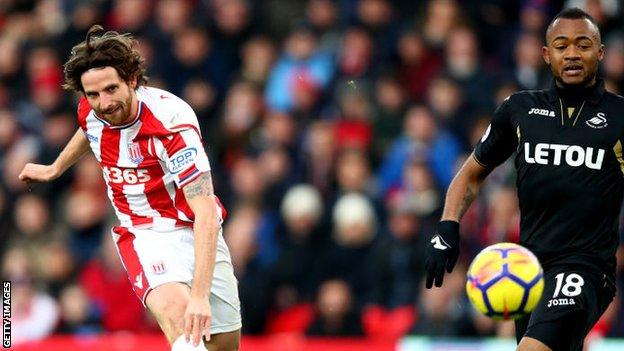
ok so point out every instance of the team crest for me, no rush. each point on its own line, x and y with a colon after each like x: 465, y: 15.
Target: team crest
x: 159, y: 267
x: 597, y: 122
x: 134, y: 150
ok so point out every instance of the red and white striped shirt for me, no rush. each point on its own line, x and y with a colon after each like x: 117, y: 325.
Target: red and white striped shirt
x: 147, y: 161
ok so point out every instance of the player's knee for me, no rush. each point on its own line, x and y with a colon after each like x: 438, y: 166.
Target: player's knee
x: 168, y: 303
x: 172, y: 319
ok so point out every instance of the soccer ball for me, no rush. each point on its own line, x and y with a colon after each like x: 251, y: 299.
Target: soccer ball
x: 505, y: 281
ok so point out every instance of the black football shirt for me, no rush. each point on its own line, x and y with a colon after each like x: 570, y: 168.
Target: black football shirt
x: 570, y: 171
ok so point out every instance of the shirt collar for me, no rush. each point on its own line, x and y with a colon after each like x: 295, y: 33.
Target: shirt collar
x: 595, y: 92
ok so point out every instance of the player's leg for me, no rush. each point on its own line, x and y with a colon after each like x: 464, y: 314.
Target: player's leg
x: 530, y: 344
x: 573, y: 300
x: 167, y: 302
x: 160, y: 264
x: 229, y: 341
x: 521, y: 325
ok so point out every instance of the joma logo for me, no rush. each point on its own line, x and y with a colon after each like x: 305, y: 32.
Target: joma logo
x: 561, y: 302
x: 542, y: 112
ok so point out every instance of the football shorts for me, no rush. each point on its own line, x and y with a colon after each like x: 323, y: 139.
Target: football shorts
x: 152, y: 258
x: 573, y: 300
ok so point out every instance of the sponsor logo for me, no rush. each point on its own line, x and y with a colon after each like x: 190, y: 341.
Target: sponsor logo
x: 597, y: 122
x: 556, y: 154
x: 439, y: 243
x: 182, y: 159
x: 542, y: 112
x: 561, y: 302
x: 125, y: 175
x: 134, y: 151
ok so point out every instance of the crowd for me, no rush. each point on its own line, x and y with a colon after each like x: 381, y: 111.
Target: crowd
x: 333, y: 128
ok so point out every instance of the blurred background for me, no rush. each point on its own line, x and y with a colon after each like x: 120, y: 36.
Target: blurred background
x: 333, y: 129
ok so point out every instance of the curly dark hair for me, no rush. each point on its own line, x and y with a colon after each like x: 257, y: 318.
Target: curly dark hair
x: 100, y: 49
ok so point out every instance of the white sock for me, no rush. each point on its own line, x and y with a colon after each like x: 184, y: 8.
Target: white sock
x: 181, y: 345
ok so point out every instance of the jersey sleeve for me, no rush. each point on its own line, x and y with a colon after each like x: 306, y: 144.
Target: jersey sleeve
x: 183, y: 153
x: 178, y: 142
x: 499, y: 140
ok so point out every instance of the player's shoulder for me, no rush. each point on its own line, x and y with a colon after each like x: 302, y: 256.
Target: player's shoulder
x: 528, y: 95
x: 613, y: 98
x: 161, y: 102
x: 166, y: 108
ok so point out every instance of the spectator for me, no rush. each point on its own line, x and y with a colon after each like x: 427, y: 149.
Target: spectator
x: 302, y: 236
x: 258, y: 54
x: 255, y: 285
x: 462, y: 64
x: 419, y: 64
x: 322, y: 16
x: 77, y: 316
x: 529, y: 70
x: 391, y: 103
x: 335, y: 313
x: 301, y: 63
x: 614, y: 63
x: 110, y: 299
x: 349, y: 256
x: 422, y: 140
x: 34, y: 313
x: 446, y: 312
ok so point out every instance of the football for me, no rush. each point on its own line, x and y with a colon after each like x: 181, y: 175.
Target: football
x: 505, y: 281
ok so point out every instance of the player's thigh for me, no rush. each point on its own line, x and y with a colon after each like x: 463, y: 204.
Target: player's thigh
x: 530, y: 344
x: 573, y: 300
x: 167, y: 302
x: 153, y: 258
x: 229, y: 341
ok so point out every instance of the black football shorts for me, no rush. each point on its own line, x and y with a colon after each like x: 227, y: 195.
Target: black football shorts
x: 574, y: 298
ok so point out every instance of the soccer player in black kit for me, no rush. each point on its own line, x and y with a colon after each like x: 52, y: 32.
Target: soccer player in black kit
x: 568, y: 157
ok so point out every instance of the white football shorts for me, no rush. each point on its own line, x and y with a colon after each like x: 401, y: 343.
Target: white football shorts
x: 152, y: 258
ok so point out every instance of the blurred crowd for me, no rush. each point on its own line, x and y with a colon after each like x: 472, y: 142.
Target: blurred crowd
x: 333, y: 129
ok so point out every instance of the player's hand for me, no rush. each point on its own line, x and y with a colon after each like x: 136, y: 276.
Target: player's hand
x: 442, y: 252
x: 197, y: 318
x: 38, y: 173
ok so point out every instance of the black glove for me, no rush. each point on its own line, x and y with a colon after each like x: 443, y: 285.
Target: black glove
x: 442, y: 252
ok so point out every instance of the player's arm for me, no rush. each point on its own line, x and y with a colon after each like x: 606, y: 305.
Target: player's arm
x: 77, y: 146
x: 200, y: 196
x: 443, y: 249
x: 498, y: 142
x: 464, y: 189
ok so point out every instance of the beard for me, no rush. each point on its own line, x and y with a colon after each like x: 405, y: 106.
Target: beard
x: 120, y: 111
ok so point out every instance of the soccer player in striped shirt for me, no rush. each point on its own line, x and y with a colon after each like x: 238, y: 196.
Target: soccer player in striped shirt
x: 149, y: 146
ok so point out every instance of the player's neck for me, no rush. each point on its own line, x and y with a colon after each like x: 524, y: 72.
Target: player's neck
x: 134, y: 107
x: 574, y: 94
